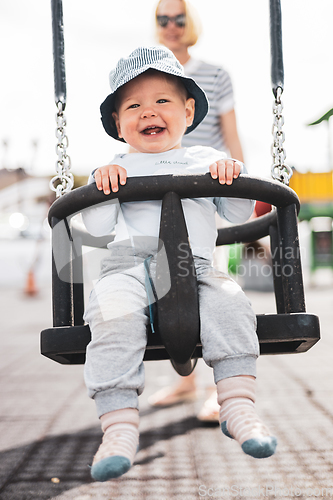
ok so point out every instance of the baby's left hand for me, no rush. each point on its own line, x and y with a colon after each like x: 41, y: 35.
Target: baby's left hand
x: 225, y: 171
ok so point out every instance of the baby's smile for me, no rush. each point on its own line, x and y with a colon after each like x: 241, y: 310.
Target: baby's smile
x: 153, y: 130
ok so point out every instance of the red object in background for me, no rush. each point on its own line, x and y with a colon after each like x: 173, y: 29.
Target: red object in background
x: 31, y: 288
x: 262, y: 208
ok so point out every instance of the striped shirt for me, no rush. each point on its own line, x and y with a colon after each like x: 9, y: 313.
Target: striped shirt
x: 216, y: 83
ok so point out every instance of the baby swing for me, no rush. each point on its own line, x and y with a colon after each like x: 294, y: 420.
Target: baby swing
x: 176, y: 333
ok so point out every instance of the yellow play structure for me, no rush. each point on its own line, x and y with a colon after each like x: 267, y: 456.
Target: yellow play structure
x: 315, y: 191
x: 313, y: 187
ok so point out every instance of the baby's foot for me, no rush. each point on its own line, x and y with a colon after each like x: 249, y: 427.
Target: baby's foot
x: 239, y: 420
x: 118, y: 448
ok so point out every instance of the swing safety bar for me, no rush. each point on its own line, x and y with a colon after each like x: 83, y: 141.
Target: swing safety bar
x: 290, y: 330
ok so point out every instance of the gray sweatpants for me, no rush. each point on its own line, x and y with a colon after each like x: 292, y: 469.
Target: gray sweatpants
x: 117, y: 314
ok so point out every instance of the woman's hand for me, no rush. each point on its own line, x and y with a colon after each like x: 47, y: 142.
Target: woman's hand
x: 108, y: 176
x: 225, y: 170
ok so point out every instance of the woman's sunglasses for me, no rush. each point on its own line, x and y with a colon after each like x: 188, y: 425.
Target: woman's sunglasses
x: 179, y: 20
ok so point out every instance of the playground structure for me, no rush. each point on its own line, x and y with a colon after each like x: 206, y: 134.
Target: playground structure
x: 176, y: 336
x: 315, y: 191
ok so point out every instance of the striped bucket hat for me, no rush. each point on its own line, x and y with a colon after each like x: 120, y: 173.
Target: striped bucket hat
x: 139, y: 61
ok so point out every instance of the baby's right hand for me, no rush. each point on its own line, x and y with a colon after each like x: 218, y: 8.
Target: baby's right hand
x: 108, y: 175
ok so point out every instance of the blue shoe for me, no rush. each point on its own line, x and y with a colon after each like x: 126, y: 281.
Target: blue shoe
x: 260, y: 447
x: 110, y: 468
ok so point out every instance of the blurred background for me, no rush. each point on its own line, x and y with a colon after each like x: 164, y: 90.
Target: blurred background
x: 39, y: 396
x: 235, y: 35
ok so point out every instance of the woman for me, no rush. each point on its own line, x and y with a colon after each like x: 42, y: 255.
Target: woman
x: 178, y: 28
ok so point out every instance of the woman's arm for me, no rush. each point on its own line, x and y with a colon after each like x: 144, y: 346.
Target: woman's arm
x: 229, y: 131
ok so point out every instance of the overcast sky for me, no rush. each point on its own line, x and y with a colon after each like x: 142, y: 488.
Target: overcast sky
x: 97, y: 33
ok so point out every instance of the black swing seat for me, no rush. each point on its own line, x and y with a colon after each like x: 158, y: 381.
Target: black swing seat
x: 177, y: 337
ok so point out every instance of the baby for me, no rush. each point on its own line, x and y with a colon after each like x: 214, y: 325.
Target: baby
x: 151, y: 107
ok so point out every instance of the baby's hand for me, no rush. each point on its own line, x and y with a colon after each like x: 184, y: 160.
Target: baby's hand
x: 108, y: 175
x: 225, y: 170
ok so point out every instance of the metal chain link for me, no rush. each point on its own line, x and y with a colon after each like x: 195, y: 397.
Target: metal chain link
x: 64, y: 181
x: 280, y: 170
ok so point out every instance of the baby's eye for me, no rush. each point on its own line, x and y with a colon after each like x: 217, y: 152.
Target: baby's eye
x: 133, y: 106
x: 161, y: 101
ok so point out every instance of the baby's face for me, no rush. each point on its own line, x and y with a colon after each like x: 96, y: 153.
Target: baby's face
x: 153, y: 113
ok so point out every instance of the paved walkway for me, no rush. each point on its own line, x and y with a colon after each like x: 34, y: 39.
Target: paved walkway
x: 49, y: 431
